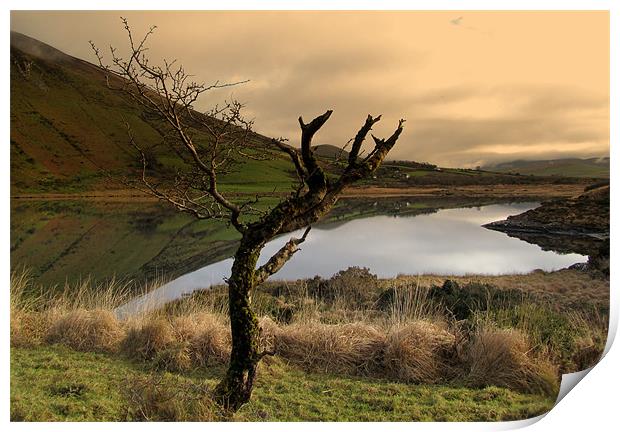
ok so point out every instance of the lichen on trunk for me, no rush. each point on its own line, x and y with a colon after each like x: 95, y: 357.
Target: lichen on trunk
x: 235, y: 389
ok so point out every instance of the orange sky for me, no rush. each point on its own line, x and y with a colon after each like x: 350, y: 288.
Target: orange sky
x: 475, y: 87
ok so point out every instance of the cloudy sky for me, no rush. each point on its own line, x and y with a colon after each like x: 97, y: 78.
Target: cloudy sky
x: 475, y: 87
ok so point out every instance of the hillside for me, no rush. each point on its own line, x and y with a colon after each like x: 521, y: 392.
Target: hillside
x: 574, y: 167
x: 66, y: 124
x: 329, y: 151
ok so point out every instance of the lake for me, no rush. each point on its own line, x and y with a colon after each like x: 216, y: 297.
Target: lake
x: 447, y: 242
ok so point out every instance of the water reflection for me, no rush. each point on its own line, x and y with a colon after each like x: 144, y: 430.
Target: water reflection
x: 449, y: 242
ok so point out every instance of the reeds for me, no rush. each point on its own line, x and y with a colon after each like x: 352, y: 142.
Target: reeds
x: 410, y: 302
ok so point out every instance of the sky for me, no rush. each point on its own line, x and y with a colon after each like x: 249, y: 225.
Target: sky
x: 475, y: 87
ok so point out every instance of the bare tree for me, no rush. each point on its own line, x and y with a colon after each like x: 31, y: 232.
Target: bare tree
x: 209, y: 145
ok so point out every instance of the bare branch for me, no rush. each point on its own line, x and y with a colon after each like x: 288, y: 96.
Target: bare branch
x: 370, y: 163
x: 168, y: 93
x: 307, y: 132
x: 277, y: 261
x: 360, y: 137
x: 295, y: 158
x: 309, y: 210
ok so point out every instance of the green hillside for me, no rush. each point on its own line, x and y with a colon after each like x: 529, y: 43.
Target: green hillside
x: 592, y: 168
x: 66, y: 124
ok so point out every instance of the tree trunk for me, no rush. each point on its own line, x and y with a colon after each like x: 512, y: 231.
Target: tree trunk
x: 235, y: 388
x: 296, y: 212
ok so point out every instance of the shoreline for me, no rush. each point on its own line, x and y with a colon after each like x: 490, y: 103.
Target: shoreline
x: 500, y: 191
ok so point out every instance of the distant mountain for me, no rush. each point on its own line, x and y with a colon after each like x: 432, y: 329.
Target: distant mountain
x: 571, y: 167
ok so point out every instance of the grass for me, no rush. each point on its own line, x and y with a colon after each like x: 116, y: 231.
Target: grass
x: 345, y: 348
x: 58, y: 384
x: 55, y: 383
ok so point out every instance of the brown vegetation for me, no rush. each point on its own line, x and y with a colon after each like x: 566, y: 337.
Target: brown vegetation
x: 504, y: 358
x: 520, y: 345
x: 420, y: 352
x: 86, y: 330
x: 564, y: 289
x: 349, y: 348
x: 158, y: 398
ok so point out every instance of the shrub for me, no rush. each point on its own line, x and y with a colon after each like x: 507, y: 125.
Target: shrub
x: 86, y: 330
x: 462, y: 302
x: 355, y: 286
x: 277, y: 307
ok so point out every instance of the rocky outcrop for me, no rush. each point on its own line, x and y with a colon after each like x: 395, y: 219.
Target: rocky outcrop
x: 585, y: 215
x: 574, y: 225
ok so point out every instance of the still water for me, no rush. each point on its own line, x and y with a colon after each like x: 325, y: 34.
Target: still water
x: 449, y: 242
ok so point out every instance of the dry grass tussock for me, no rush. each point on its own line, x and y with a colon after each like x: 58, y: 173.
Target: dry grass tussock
x: 146, y: 338
x: 178, y: 343
x: 80, y: 316
x: 354, y: 348
x: 206, y: 335
x: 504, y: 358
x: 28, y: 324
x: 419, y: 352
x: 86, y: 330
x: 28, y: 328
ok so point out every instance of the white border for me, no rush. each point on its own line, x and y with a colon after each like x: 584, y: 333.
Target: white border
x: 593, y: 405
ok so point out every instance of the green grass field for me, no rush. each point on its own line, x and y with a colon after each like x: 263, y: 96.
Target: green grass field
x: 54, y: 383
